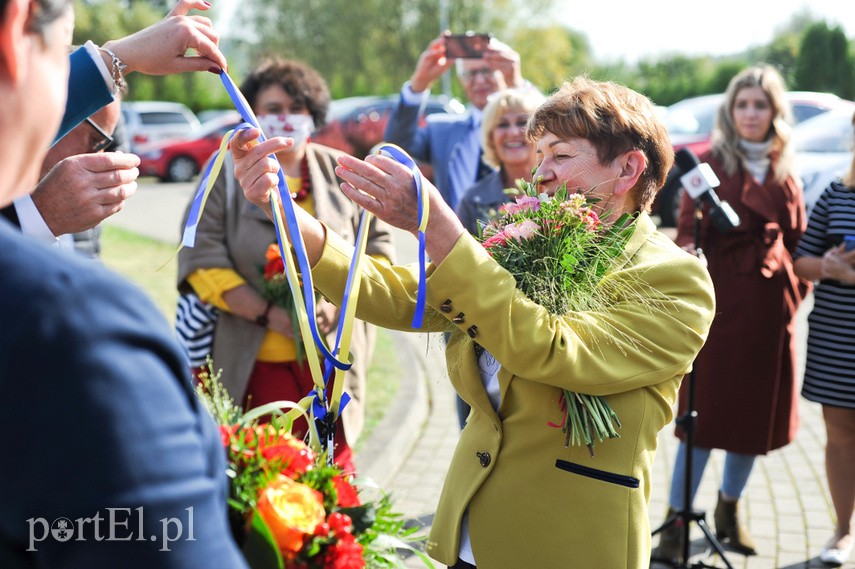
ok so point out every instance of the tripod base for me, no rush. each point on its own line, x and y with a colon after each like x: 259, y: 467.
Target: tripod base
x: 688, y: 516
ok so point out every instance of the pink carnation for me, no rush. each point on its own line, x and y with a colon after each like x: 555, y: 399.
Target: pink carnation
x: 592, y: 220
x: 499, y: 239
x: 523, y: 230
x: 522, y: 205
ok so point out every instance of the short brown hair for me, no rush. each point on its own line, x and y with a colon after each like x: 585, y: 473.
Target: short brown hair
x: 615, y: 120
x: 303, y: 84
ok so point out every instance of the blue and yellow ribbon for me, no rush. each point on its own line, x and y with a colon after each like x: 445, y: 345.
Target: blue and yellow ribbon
x: 285, y: 222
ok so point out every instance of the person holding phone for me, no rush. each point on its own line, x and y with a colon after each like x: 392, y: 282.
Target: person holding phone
x: 826, y: 254
x: 451, y: 144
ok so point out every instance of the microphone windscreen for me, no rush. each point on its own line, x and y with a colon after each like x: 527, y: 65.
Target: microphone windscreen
x: 686, y: 159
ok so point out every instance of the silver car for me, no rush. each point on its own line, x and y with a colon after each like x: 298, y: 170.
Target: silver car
x: 824, y: 147
x: 152, y: 121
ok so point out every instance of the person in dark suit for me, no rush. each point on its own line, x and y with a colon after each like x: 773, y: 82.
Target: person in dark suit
x: 111, y: 459
x: 80, y: 184
x: 452, y: 143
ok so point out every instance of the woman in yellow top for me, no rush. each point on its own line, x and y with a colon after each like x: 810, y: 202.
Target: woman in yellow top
x: 253, y: 339
x: 515, y: 495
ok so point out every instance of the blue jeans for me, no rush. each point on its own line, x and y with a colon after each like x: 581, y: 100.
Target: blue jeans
x: 737, y: 469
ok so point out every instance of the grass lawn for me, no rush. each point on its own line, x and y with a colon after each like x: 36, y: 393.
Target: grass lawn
x: 153, y: 266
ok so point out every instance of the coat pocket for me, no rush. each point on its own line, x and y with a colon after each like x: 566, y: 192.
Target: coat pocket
x: 603, y: 475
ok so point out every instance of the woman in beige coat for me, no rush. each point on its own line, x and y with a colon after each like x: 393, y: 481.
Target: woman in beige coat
x: 253, y: 339
x: 515, y: 495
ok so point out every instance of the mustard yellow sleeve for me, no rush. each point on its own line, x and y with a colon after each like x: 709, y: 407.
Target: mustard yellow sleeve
x: 211, y: 284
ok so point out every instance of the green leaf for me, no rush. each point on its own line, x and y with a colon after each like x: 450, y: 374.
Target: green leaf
x: 260, y: 549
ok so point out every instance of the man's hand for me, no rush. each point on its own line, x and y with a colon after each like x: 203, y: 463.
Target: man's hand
x: 431, y: 65
x: 501, y: 57
x: 83, y: 190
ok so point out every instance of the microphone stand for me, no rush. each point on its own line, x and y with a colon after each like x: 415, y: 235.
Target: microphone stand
x: 687, y: 422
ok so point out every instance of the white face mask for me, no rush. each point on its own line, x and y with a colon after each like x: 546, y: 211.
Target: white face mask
x: 298, y: 127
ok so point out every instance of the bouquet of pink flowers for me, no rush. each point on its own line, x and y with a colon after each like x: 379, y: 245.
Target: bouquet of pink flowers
x: 288, y: 508
x: 558, y: 250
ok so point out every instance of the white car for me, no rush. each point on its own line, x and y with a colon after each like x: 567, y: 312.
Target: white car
x: 824, y: 147
x: 152, y: 121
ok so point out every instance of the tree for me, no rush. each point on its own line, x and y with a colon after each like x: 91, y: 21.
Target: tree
x: 825, y: 61
x: 551, y: 55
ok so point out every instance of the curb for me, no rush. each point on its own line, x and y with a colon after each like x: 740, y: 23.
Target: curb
x: 391, y: 441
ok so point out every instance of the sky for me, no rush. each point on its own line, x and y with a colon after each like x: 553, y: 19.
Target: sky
x: 631, y: 30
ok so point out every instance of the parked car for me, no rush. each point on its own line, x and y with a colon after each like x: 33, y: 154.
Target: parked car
x: 356, y: 124
x: 824, y: 147
x: 180, y: 159
x: 147, y: 122
x: 690, y: 124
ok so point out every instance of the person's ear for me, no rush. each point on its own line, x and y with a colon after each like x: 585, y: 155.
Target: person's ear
x: 14, y: 40
x: 632, y: 165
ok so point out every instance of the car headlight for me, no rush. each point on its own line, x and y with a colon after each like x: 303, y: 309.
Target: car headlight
x: 151, y: 155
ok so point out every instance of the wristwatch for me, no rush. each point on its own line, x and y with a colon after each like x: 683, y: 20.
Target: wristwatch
x: 262, y: 319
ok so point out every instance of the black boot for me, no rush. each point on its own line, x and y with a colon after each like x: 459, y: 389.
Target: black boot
x: 727, y: 526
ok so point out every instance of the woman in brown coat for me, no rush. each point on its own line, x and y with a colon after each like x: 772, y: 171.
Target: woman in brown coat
x: 745, y: 384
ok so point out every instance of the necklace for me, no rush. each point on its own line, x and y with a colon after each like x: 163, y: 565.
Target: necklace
x: 305, y: 181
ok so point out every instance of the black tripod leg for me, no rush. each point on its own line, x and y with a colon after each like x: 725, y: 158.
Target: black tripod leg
x: 711, y: 539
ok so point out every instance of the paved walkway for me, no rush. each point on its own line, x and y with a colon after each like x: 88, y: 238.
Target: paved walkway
x: 787, y: 505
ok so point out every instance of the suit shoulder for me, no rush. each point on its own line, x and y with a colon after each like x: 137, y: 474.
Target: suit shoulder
x: 44, y: 284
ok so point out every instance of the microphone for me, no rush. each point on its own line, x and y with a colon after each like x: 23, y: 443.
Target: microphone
x: 699, y: 181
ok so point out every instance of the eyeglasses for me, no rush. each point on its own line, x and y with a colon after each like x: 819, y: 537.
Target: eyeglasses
x: 106, y: 139
x: 471, y: 74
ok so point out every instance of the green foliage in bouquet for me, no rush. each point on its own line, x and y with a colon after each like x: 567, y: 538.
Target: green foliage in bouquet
x: 559, y: 251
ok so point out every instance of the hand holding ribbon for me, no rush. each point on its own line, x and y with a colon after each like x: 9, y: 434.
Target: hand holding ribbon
x: 384, y: 186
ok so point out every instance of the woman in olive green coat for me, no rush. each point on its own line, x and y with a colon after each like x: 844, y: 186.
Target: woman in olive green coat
x: 515, y: 496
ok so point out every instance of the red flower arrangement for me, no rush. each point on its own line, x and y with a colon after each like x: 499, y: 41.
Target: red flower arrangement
x: 288, y: 507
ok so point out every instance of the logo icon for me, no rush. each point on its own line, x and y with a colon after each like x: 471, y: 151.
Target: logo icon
x: 62, y: 529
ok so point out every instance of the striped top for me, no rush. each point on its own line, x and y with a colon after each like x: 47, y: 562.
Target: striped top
x: 194, y: 326
x: 830, y: 366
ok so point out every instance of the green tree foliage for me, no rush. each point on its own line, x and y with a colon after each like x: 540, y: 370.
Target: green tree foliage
x: 825, y: 61
x: 568, y: 54
x: 367, y: 47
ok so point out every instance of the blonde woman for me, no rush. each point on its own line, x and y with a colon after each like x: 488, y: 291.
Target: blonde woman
x: 506, y: 148
x: 745, y: 377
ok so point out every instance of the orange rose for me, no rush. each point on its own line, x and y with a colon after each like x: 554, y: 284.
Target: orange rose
x: 292, y: 510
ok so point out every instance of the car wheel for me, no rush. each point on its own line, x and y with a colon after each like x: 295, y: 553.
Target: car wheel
x: 182, y: 169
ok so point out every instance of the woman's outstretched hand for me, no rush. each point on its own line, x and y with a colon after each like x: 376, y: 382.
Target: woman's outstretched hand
x: 386, y: 188
x: 161, y: 49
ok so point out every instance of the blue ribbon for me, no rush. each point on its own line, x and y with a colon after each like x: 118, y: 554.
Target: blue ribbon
x: 290, y: 217
x: 402, y: 157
